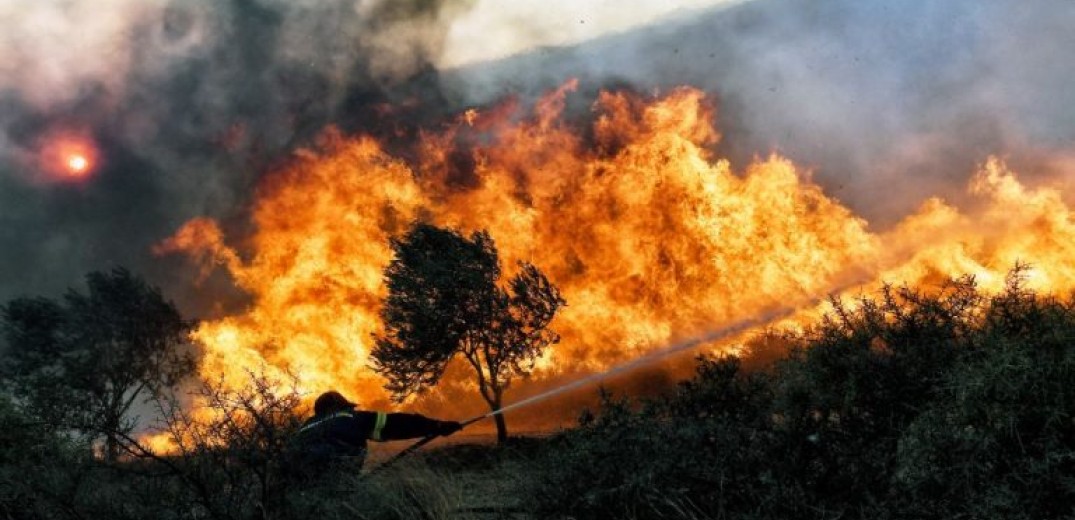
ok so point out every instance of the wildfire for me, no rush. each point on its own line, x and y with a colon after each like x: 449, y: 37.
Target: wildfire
x: 649, y: 236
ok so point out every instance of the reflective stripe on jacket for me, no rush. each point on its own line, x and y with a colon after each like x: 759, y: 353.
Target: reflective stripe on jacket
x: 344, y: 433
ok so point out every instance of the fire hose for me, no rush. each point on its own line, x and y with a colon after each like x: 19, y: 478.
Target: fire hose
x: 710, y: 336
x: 426, y: 440
x: 680, y: 346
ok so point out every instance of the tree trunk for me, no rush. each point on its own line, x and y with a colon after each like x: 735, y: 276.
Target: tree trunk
x: 501, y: 425
x: 501, y: 428
x: 111, y: 447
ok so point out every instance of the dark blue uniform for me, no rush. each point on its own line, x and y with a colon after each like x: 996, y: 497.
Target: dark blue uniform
x: 332, y: 436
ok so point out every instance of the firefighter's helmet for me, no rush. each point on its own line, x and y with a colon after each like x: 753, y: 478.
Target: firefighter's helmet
x: 331, y: 401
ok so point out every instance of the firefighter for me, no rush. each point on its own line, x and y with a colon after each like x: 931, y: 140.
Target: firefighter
x: 338, y: 432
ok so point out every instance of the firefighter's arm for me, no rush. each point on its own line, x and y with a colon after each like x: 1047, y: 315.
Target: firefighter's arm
x: 396, y: 426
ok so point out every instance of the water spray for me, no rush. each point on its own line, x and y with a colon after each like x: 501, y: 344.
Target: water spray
x: 677, y: 347
x: 859, y: 275
x: 682, y: 345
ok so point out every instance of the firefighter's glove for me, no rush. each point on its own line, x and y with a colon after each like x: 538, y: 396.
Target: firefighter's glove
x: 448, y: 427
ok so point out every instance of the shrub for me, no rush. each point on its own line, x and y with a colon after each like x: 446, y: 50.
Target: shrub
x: 999, y: 442
x: 698, y: 449
x: 42, y: 472
x: 926, y: 404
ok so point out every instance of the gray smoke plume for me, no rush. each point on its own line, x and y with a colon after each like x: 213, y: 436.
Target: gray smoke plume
x: 190, y: 102
x: 887, y: 101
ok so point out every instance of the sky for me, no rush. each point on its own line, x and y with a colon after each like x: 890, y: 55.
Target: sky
x: 51, y: 48
x: 494, y: 29
x: 183, y: 106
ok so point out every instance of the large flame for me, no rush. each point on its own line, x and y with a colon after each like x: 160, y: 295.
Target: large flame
x: 648, y: 235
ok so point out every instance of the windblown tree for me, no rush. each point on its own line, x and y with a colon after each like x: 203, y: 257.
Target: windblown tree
x: 444, y: 299
x: 82, y: 363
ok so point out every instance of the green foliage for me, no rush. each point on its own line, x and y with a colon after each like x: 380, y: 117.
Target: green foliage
x: 946, y: 404
x: 230, y: 447
x: 82, y: 363
x: 231, y: 463
x: 852, y: 385
x: 405, y: 492
x: 940, y: 404
x: 36, y: 465
x: 669, y: 458
x: 444, y: 299
x: 233, y: 460
x: 999, y: 442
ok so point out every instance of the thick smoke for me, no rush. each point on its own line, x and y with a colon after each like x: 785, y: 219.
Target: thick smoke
x: 889, y: 102
x: 188, y: 103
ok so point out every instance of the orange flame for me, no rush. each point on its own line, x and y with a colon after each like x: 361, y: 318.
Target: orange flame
x: 648, y: 235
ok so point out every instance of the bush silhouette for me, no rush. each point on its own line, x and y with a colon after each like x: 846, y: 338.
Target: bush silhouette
x: 947, y: 403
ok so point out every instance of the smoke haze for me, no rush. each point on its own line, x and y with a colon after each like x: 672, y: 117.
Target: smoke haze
x: 190, y: 103
x: 872, y: 95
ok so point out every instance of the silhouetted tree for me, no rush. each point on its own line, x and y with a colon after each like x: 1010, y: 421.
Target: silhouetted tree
x: 444, y: 299
x: 83, y: 362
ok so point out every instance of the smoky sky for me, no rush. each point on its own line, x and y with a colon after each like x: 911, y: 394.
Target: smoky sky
x: 191, y: 102
x: 887, y: 102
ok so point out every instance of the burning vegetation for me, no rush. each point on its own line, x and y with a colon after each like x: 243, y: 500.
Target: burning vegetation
x: 900, y: 404
x: 870, y: 251
x: 648, y: 235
